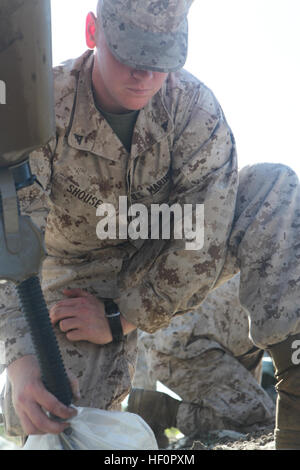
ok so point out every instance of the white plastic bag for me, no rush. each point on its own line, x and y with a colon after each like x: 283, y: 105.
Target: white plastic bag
x: 94, y: 429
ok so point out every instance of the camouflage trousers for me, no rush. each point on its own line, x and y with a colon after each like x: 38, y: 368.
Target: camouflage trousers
x: 217, y: 391
x: 264, y: 246
x: 207, y: 358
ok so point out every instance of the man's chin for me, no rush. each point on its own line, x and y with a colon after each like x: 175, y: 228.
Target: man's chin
x: 137, y: 103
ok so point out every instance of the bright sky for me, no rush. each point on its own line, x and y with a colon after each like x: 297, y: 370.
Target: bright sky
x: 246, y: 51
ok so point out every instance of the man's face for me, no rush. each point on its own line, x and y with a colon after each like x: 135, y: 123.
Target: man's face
x: 118, y: 87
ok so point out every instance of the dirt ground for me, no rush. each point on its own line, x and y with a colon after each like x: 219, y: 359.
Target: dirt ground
x: 262, y: 439
x: 222, y: 440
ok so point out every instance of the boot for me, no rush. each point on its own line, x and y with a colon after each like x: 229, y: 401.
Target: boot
x: 158, y: 409
x: 287, y: 373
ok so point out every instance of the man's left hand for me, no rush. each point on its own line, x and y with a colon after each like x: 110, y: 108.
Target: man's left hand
x: 82, y: 318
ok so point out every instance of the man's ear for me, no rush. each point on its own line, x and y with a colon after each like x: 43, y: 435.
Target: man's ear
x: 90, y: 31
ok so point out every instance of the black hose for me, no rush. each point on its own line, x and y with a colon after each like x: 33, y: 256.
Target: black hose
x: 36, y: 313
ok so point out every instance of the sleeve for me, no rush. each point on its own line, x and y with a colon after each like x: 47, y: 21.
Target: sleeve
x: 15, y: 339
x: 165, y: 278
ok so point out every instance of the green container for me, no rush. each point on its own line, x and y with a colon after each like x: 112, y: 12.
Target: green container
x: 27, y: 101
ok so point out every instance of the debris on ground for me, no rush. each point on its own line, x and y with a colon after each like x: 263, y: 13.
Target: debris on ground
x: 261, y: 439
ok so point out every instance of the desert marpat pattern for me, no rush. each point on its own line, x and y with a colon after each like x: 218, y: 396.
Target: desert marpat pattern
x: 147, y: 35
x: 182, y: 129
x: 207, y: 358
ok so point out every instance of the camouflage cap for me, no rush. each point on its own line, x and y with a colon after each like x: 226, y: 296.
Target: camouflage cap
x: 147, y: 34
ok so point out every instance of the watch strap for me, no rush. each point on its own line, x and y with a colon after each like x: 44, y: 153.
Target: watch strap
x: 113, y: 315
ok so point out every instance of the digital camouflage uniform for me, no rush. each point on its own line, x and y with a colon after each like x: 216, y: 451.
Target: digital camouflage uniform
x: 207, y: 358
x: 182, y: 152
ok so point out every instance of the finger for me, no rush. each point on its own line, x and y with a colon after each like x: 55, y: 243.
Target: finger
x: 69, y: 324
x: 60, y: 313
x: 67, y: 308
x: 65, y: 304
x: 40, y: 423
x: 75, y: 335
x: 76, y: 293
x: 51, y: 404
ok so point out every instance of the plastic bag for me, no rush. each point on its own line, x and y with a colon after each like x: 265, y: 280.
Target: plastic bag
x: 94, y: 429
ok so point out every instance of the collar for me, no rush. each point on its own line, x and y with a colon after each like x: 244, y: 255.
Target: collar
x: 90, y: 131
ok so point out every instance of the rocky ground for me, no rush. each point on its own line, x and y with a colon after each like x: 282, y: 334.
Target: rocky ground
x: 262, y: 439
x: 222, y: 440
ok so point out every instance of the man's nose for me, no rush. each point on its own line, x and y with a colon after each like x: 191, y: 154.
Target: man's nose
x: 142, y: 74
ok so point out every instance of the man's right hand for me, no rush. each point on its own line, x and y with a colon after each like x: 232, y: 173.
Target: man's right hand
x: 31, y: 399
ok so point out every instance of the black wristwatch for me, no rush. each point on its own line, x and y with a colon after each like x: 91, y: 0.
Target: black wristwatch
x: 112, y: 314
